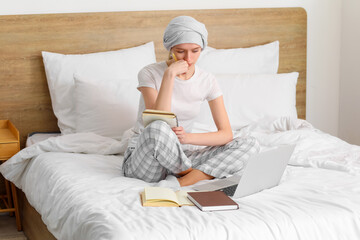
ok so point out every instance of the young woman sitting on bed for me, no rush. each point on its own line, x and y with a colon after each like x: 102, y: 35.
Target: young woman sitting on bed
x: 178, y: 85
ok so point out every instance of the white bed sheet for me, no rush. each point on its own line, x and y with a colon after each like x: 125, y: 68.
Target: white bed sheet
x: 38, y: 137
x: 85, y: 196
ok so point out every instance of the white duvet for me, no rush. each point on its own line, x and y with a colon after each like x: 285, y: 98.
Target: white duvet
x: 75, y: 183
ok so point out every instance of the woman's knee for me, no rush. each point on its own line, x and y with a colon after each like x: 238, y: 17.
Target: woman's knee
x: 158, y: 125
x: 158, y: 128
x: 250, y: 143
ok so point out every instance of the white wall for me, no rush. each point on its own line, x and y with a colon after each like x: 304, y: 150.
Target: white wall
x: 349, y: 118
x: 324, y: 18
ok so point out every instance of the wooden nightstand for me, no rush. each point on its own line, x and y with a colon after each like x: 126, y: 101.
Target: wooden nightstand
x: 9, y: 145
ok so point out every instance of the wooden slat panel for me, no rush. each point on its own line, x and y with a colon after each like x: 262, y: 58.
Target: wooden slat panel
x: 24, y: 94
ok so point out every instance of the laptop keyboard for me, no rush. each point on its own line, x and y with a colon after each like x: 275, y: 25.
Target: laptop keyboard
x: 230, y: 191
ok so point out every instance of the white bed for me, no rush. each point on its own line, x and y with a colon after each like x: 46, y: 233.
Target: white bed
x: 85, y: 196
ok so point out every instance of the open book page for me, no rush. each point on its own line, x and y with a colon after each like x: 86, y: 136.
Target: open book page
x: 164, y: 197
x: 158, y: 196
x: 183, y: 199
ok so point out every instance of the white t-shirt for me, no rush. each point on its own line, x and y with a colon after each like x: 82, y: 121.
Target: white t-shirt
x: 187, y: 96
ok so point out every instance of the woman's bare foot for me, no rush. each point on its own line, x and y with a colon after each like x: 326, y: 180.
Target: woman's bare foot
x: 185, y: 172
x: 192, y: 177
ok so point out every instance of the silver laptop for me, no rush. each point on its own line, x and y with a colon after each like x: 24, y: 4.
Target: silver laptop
x: 263, y: 170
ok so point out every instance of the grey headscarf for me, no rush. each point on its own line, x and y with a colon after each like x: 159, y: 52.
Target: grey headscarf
x: 185, y: 29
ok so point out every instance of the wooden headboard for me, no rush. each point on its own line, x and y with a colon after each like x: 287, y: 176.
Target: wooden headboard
x: 24, y: 94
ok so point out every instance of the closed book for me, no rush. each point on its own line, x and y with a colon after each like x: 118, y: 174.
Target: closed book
x: 150, y: 115
x: 212, y: 201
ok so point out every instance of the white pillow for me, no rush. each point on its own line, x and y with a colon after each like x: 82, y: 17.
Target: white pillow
x: 107, y: 108
x: 250, y: 98
x: 103, y: 66
x: 255, y: 60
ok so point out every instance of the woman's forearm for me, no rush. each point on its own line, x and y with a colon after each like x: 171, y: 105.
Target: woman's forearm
x: 218, y: 138
x: 163, y: 100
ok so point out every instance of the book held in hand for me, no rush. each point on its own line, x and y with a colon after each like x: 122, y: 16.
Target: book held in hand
x: 150, y: 115
x: 164, y: 197
x: 212, y: 201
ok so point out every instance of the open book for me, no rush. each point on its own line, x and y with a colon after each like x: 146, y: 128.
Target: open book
x: 164, y: 197
x: 150, y: 115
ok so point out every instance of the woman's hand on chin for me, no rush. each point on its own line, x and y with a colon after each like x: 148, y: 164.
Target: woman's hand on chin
x: 178, y: 67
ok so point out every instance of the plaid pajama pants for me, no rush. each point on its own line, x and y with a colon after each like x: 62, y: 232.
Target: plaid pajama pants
x: 158, y: 153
